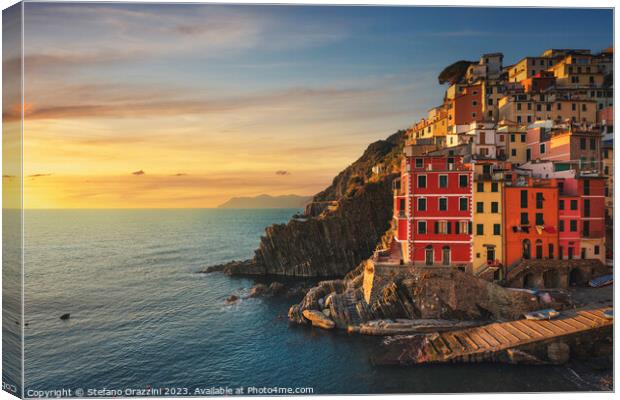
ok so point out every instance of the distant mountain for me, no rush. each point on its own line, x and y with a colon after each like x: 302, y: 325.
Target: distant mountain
x: 266, y: 201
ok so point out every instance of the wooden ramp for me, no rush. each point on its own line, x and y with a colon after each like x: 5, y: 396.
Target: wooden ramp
x: 488, y: 342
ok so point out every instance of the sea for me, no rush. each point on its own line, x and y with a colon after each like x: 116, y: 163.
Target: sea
x: 143, y: 317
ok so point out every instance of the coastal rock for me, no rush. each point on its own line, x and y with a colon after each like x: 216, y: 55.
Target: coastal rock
x: 231, y: 299
x: 260, y: 289
x: 417, y: 293
x: 342, y: 225
x: 65, y: 317
x: 318, y: 319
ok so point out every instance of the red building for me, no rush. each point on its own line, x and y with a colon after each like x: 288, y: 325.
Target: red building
x: 582, y: 218
x: 530, y: 219
x: 433, y: 210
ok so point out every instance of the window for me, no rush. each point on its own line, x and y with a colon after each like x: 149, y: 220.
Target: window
x: 529, y: 119
x: 443, y: 204
x: 586, y: 228
x: 583, y: 107
x: 479, y: 229
x: 574, y: 107
x: 513, y: 137
x: 422, y: 227
x: 597, y: 250
x: 518, y: 119
x: 479, y: 207
x: 421, y: 204
x: 542, y: 148
x: 561, y: 204
x: 463, y: 180
x: 586, y: 187
x: 494, y: 187
x: 538, y: 107
x: 592, y: 144
x: 524, y: 219
x: 539, y: 219
x: 419, y: 163
x: 518, y: 106
x: 524, y: 199
x: 443, y: 181
x: 474, y: 103
x: 463, y: 203
x: 523, y: 138
x: 561, y: 225
x: 586, y: 208
x: 573, y: 204
x: 573, y: 225
x: 539, y: 200
x: 497, y: 229
x: 421, y: 181
x: 559, y: 106
x: 582, y: 144
x: 529, y: 106
x: 441, y: 227
x: 494, y: 207
x: 480, y: 187
x: 463, y: 227
x: 513, y: 152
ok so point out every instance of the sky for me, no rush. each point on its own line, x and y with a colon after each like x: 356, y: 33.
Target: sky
x: 175, y: 106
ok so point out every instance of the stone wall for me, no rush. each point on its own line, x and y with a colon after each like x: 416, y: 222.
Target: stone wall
x: 548, y: 274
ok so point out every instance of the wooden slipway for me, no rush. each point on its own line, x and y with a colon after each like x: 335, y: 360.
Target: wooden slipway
x: 515, y: 341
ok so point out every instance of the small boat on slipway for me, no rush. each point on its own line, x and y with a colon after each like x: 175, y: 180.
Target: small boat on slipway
x: 602, y: 281
x: 539, y: 315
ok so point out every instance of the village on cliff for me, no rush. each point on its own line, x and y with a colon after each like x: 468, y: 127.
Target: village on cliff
x: 502, y: 209
x: 485, y: 229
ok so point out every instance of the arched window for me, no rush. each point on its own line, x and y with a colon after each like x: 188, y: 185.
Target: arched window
x: 428, y: 255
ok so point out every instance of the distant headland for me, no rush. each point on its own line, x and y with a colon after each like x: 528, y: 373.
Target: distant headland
x: 267, y: 201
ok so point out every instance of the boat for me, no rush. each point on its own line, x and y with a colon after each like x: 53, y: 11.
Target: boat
x: 602, y: 281
x: 548, y: 313
x: 609, y: 314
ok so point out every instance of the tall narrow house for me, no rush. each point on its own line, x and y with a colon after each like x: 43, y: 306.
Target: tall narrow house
x: 433, y: 211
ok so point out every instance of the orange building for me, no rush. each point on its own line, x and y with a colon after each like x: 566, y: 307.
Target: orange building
x: 530, y: 219
x: 466, y: 107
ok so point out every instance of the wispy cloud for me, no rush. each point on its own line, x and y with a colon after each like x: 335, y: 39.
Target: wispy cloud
x: 138, y: 173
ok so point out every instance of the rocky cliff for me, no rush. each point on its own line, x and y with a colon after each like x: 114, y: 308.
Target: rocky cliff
x: 341, y: 227
x: 416, y: 293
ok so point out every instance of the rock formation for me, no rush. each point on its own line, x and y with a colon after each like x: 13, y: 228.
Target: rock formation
x: 418, y: 293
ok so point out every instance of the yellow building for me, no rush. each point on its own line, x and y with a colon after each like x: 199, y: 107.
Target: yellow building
x: 528, y: 67
x: 526, y: 108
x: 578, y: 70
x: 487, y: 223
x: 515, y: 141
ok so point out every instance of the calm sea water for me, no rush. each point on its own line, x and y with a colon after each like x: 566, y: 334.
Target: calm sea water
x: 141, y: 316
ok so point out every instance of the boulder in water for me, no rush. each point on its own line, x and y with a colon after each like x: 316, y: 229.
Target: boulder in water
x: 65, y: 317
x: 318, y: 319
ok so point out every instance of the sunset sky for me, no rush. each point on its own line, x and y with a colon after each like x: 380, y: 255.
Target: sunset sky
x: 189, y: 105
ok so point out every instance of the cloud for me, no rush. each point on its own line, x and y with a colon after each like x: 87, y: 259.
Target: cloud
x: 38, y: 175
x: 138, y: 173
x: 180, y: 174
x: 130, y: 102
x: 282, y: 172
